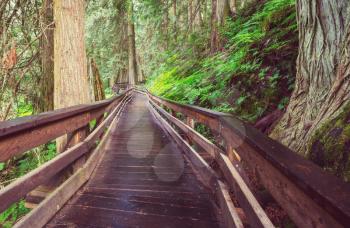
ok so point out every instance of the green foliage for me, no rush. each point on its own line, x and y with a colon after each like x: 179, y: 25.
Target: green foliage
x: 12, y: 214
x: 253, y: 76
x: 2, y: 166
x: 18, y: 168
x: 92, y: 124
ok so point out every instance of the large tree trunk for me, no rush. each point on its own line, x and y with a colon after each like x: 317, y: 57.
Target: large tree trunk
x: 132, y: 46
x: 321, y: 33
x: 70, y: 70
x: 46, y: 87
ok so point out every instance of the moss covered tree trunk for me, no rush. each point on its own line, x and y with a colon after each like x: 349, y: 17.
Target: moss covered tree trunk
x: 132, y: 46
x: 70, y: 70
x: 46, y: 87
x: 322, y: 82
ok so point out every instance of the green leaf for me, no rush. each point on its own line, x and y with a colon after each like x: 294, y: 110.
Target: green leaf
x: 2, y: 166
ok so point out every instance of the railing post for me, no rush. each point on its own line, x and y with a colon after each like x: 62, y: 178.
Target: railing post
x: 191, y: 123
x: 232, y: 153
x: 78, y: 137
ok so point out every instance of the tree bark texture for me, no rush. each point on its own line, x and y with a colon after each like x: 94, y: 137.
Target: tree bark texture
x: 132, y: 46
x: 46, y: 99
x: 321, y: 70
x: 214, y: 37
x: 99, y: 93
x: 70, y: 69
x: 222, y: 11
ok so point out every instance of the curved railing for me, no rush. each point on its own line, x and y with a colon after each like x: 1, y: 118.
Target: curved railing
x: 310, y: 196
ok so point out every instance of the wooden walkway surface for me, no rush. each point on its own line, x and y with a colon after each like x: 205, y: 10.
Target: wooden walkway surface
x: 143, y: 180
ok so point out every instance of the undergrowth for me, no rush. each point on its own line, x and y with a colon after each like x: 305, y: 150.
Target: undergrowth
x: 254, y: 74
x: 16, y: 168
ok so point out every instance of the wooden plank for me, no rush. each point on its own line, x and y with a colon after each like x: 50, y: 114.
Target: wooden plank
x: 83, y: 216
x: 18, y: 189
x: 229, y: 213
x: 203, y: 116
x: 207, y: 175
x: 49, y: 207
x: 140, y: 199
x: 28, y: 182
x: 309, y: 182
x: 20, y: 135
x: 298, y: 185
x: 255, y: 214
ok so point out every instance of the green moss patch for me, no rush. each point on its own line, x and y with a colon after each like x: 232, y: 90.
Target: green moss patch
x: 330, y: 146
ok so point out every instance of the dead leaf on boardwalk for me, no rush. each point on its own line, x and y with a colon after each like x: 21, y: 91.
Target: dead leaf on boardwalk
x: 10, y: 58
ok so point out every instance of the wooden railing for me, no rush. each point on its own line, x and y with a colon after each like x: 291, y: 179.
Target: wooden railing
x: 20, y: 135
x: 310, y: 196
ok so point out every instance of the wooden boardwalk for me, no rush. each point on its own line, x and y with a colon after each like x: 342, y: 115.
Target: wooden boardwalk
x: 153, y: 169
x: 143, y: 180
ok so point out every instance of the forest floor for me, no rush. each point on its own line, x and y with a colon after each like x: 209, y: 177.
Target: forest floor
x: 252, y: 76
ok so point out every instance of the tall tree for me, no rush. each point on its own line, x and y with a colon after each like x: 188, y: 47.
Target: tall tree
x: 214, y: 37
x: 322, y: 81
x: 46, y: 99
x: 99, y: 93
x: 132, y: 46
x: 70, y: 70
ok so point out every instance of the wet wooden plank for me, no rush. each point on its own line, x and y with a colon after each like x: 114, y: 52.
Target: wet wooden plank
x: 299, y: 186
x: 150, y: 185
x: 47, y: 209
x: 78, y: 216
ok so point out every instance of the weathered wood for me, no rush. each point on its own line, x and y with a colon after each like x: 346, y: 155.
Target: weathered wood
x: 142, y: 180
x: 200, y: 115
x: 20, y: 135
x: 18, y: 189
x: 28, y: 182
x: 206, y: 174
x: 49, y: 207
x: 229, y: 214
x: 298, y: 185
x: 306, y: 194
x: 255, y: 214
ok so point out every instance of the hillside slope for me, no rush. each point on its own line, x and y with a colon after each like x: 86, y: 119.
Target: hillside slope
x: 252, y: 77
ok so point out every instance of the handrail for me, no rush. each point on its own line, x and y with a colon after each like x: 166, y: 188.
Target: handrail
x: 309, y: 195
x: 18, y: 189
x: 22, y: 134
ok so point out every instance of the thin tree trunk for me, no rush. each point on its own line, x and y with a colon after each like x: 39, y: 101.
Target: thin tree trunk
x: 46, y: 99
x: 321, y: 35
x: 70, y: 70
x: 175, y: 19
x: 140, y: 73
x: 98, y: 84
x: 132, y: 46
x: 190, y: 15
x: 233, y: 7
x: 214, y: 37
